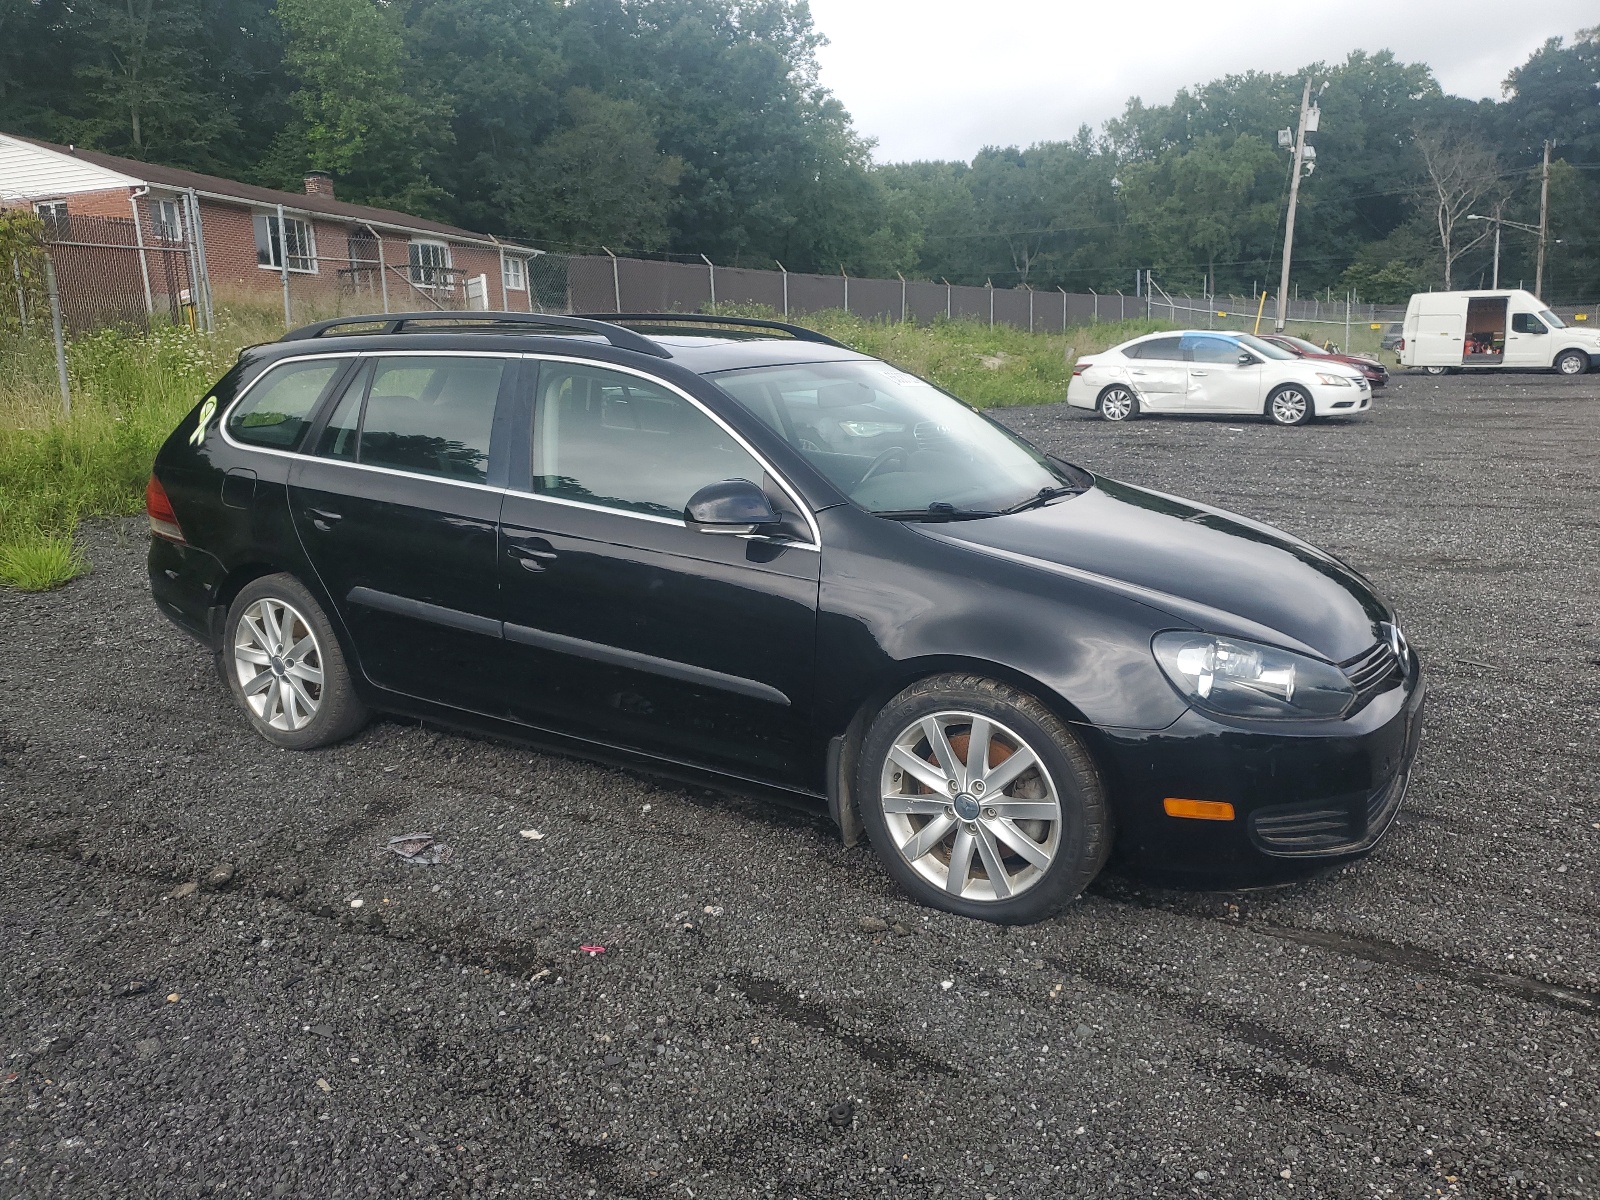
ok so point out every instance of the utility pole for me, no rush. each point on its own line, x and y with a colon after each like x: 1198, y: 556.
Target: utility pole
x: 1544, y: 221
x: 1294, y: 201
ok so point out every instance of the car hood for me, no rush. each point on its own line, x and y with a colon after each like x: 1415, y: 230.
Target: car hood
x: 1206, y: 568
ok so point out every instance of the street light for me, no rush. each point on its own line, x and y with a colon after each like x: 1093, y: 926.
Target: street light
x: 1499, y: 221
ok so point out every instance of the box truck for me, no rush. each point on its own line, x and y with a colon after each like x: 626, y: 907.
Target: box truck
x: 1446, y: 331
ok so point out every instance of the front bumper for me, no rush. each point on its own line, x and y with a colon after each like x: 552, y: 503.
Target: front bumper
x: 1299, y: 792
x: 1342, y: 401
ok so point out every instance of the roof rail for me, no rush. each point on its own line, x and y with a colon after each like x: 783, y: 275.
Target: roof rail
x: 799, y: 332
x: 485, y: 322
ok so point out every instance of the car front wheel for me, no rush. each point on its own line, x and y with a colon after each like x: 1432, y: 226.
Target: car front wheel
x: 285, y: 668
x: 1572, y: 362
x: 1289, y: 406
x: 980, y: 801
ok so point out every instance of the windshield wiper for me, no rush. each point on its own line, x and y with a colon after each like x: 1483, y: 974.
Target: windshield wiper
x: 939, y: 510
x: 1043, y: 496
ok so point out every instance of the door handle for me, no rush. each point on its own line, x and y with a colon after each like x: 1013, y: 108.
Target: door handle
x: 323, y: 519
x: 531, y: 555
x: 1199, y: 372
x: 1140, y: 372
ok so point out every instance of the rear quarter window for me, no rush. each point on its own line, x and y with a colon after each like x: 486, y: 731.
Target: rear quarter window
x: 277, y: 409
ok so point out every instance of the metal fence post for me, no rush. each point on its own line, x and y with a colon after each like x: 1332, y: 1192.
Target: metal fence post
x: 846, y: 279
x: 55, y: 332
x: 946, y: 299
x: 1030, y: 308
x: 616, y: 279
x: 1346, y: 346
x: 713, y: 270
x: 989, y: 283
x: 200, y: 257
x: 785, y: 271
x: 383, y: 272
x: 1124, y: 301
x: 22, y: 297
x: 283, y: 268
x: 1093, y: 293
x: 902, y: 298
x: 144, y: 264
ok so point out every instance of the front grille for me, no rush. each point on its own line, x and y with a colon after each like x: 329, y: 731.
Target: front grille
x: 1377, y: 670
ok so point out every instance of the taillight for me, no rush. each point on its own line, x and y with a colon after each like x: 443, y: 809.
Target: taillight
x: 163, y: 521
x: 1401, y: 344
x: 1078, y: 368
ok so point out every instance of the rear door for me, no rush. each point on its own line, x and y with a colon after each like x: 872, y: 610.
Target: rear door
x: 1158, y: 373
x: 397, y: 506
x: 1218, y: 381
x: 1440, y: 334
x: 624, y: 625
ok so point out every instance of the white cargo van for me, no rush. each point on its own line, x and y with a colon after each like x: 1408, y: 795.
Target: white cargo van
x: 1445, y: 331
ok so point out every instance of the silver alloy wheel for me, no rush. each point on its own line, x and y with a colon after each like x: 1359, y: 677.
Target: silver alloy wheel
x: 1117, y: 404
x: 278, y: 662
x: 1289, y: 406
x: 1571, y: 364
x: 970, y: 806
x: 1437, y: 370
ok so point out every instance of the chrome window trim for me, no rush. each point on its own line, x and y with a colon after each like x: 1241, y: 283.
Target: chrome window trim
x: 811, y: 522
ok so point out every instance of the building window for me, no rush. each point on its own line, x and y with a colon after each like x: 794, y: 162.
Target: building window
x: 54, y: 215
x: 165, y: 220
x: 514, y: 274
x: 430, y: 264
x: 302, y: 243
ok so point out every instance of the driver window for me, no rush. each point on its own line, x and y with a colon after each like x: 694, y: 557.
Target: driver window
x: 1210, y: 349
x: 1527, y: 323
x: 616, y: 440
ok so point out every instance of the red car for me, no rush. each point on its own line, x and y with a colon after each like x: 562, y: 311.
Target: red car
x: 1377, y: 374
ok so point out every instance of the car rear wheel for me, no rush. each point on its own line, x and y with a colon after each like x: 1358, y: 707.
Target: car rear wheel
x: 980, y: 801
x: 1119, y: 404
x: 284, y: 666
x: 1289, y: 405
x: 1572, y: 362
x: 1438, y: 370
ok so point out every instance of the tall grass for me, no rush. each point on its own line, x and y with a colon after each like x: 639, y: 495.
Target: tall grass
x: 130, y: 390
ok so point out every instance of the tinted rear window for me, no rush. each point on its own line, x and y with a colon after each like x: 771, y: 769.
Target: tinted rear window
x: 1167, y: 348
x: 431, y: 416
x: 277, y: 409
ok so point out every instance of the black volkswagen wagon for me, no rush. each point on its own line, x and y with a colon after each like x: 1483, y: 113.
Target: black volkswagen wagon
x: 739, y: 552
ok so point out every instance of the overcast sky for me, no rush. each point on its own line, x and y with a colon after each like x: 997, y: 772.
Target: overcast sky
x: 943, y: 78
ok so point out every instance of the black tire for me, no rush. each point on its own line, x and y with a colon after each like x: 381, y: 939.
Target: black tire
x: 1280, y: 411
x: 336, y: 711
x: 1572, y: 362
x: 1081, y: 835
x: 1439, y: 370
x: 1124, y: 404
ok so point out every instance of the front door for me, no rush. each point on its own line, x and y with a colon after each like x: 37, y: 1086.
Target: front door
x: 625, y: 626
x: 1527, y: 341
x: 396, y: 511
x: 1218, y: 381
x: 1159, y: 374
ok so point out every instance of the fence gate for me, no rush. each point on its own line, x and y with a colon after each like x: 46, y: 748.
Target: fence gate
x: 110, y: 273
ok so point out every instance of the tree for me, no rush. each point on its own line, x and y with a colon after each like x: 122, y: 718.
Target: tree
x: 360, y: 111
x: 1460, y: 173
x: 601, y: 180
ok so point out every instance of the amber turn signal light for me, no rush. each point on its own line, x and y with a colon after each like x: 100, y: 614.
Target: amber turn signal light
x: 1198, y: 810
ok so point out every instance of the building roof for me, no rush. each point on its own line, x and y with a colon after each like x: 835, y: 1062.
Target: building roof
x: 89, y: 170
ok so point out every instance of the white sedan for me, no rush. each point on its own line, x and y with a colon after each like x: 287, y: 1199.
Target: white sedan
x: 1200, y: 371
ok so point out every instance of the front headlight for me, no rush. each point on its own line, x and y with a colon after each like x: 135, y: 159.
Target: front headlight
x: 1247, y: 679
x: 1333, y: 380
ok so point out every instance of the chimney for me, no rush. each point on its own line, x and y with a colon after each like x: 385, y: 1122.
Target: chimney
x: 319, y: 183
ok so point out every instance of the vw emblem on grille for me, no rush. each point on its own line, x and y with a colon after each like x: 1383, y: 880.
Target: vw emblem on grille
x: 1396, y: 641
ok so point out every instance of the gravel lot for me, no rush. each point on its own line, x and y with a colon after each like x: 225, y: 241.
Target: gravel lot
x: 770, y: 1018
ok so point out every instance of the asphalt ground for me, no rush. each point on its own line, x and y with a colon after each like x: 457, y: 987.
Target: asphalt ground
x: 770, y: 1018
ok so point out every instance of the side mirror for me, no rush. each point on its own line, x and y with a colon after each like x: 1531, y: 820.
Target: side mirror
x: 1246, y: 359
x: 734, y: 506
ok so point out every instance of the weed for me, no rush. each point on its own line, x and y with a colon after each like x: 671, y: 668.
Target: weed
x: 44, y: 561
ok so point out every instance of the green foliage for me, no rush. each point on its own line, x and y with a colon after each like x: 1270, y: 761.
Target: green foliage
x: 22, y: 249
x: 43, y: 562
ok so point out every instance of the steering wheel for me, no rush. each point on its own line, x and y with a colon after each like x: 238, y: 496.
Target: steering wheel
x: 883, y: 460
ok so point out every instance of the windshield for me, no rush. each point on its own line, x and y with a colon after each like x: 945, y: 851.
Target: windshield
x: 1306, y: 347
x: 1550, y: 319
x: 893, y: 442
x: 1264, y: 348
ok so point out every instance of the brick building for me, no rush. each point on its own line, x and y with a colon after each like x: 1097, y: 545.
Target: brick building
x: 167, y: 228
